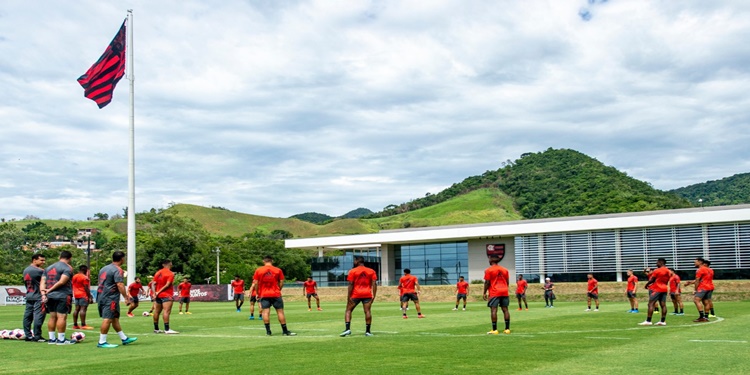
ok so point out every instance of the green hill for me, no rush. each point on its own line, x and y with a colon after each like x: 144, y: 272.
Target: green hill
x: 312, y: 217
x: 729, y: 190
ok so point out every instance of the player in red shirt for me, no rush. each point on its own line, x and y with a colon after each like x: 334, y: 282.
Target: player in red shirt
x: 704, y: 281
x: 238, y: 288
x: 151, y: 295
x: 409, y: 285
x: 310, y: 289
x: 462, y: 290
x: 658, y: 281
x: 592, y: 292
x: 630, y: 291
x: 363, y: 287
x: 675, y: 293
x: 82, y: 297
x: 268, y: 282
x: 496, y: 282
x: 184, y: 288
x: 134, y: 290
x: 521, y: 292
x: 164, y: 291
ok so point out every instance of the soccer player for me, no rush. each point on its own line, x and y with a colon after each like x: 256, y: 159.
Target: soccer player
x: 496, y: 288
x: 57, y: 294
x: 82, y: 297
x: 630, y: 291
x: 549, y: 293
x: 659, y: 278
x: 34, y: 314
x: 311, y: 290
x: 704, y: 281
x: 253, y: 300
x: 164, y: 292
x: 134, y: 290
x: 592, y: 292
x: 521, y: 292
x: 268, y: 282
x: 462, y: 290
x: 151, y: 295
x: 238, y: 287
x: 648, y: 271
x: 410, y: 287
x: 711, y: 314
x: 111, y: 287
x: 184, y: 288
x: 675, y: 293
x: 363, y: 287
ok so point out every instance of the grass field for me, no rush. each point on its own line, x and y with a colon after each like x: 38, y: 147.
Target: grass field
x: 217, y: 340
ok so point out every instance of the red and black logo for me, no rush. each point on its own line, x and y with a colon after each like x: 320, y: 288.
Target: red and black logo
x: 497, y: 250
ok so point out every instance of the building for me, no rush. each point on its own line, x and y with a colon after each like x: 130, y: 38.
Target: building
x: 565, y: 248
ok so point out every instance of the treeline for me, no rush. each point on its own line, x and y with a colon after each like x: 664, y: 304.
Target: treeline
x: 727, y: 191
x: 162, y: 234
x: 556, y: 183
x: 318, y: 218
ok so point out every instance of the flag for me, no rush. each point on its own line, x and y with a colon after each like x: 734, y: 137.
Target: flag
x: 100, y: 80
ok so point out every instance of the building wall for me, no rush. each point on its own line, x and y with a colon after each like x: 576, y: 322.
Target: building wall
x: 478, y: 257
x: 387, y: 265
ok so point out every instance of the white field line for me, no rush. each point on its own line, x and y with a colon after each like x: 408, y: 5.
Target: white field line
x: 730, y: 341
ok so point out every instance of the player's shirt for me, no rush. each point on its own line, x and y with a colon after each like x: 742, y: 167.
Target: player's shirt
x: 707, y: 278
x: 268, y: 278
x: 81, y: 286
x: 548, y: 286
x: 109, y: 276
x: 632, y: 282
x: 462, y: 287
x: 53, y: 274
x: 238, y: 286
x: 150, y: 287
x: 134, y: 289
x: 361, y: 278
x: 661, y: 279
x: 593, y: 286
x: 253, y: 293
x: 184, y: 288
x: 674, y: 284
x: 162, y: 278
x: 498, y: 278
x: 310, y: 286
x: 521, y: 287
x: 32, y: 275
x: 408, y: 283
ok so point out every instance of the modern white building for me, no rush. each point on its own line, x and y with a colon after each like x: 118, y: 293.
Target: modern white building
x: 606, y: 245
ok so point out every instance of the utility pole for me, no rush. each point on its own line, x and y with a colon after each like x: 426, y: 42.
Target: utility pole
x: 218, y: 276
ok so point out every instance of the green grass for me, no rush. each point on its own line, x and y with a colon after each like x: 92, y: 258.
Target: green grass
x: 216, y: 339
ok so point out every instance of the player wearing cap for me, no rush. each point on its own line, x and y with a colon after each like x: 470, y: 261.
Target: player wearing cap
x: 462, y: 290
x: 630, y: 291
x: 111, y: 287
x: 82, y: 297
x: 521, y: 287
x: 549, y: 293
x: 659, y: 278
x: 310, y: 290
x: 268, y: 281
x: 496, y: 293
x: 363, y: 288
x: 57, y: 294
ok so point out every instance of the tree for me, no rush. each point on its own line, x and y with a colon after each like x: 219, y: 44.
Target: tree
x: 101, y: 216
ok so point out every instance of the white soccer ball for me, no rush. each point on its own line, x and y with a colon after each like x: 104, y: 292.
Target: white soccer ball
x: 78, y: 336
x: 145, y: 313
x: 17, y: 334
x: 5, y: 334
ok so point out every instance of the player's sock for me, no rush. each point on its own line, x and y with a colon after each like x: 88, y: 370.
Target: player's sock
x: 283, y: 328
x: 648, y: 319
x: 663, y: 318
x: 102, y: 338
x: 682, y: 311
x: 61, y: 337
x: 51, y: 336
x: 156, y: 326
x: 268, y: 327
x: 367, y: 328
x: 494, y: 326
x: 122, y: 335
x: 507, y: 324
x: 166, y: 326
x: 348, y: 325
x: 456, y: 305
x: 712, y: 311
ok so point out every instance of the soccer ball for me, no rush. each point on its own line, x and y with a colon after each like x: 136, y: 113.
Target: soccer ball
x: 5, y: 334
x: 17, y: 334
x: 145, y: 313
x: 78, y: 336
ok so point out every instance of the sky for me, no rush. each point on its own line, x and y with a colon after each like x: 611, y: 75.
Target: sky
x: 279, y: 108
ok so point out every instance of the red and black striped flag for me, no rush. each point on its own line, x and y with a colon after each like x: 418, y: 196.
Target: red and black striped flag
x: 100, y: 80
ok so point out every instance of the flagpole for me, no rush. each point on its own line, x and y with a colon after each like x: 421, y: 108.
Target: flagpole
x: 131, y: 161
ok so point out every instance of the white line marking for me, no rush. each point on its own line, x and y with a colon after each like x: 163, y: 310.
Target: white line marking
x: 732, y: 341
x: 607, y: 338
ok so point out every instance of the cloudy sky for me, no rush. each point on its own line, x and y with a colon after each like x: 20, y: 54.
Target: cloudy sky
x: 278, y: 108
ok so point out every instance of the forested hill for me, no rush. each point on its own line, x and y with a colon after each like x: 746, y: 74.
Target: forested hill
x: 729, y: 190
x: 557, y: 183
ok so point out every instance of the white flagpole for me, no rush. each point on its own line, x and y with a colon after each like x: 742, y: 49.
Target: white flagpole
x: 131, y: 161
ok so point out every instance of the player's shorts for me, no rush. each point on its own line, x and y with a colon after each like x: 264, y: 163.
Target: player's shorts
x: 460, y: 296
x: 163, y: 300
x: 309, y: 295
x: 109, y: 310
x: 134, y: 299
x: 253, y: 299
x: 59, y: 305
x: 520, y: 295
x: 674, y: 295
x: 704, y: 294
x: 658, y: 296
x: 239, y: 297
x: 356, y: 301
x: 498, y: 301
x: 276, y: 302
x: 631, y: 294
x: 184, y: 299
x: 82, y: 301
x: 593, y: 295
x: 406, y: 297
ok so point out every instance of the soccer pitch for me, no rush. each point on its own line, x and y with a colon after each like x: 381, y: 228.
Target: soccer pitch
x: 217, y: 340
